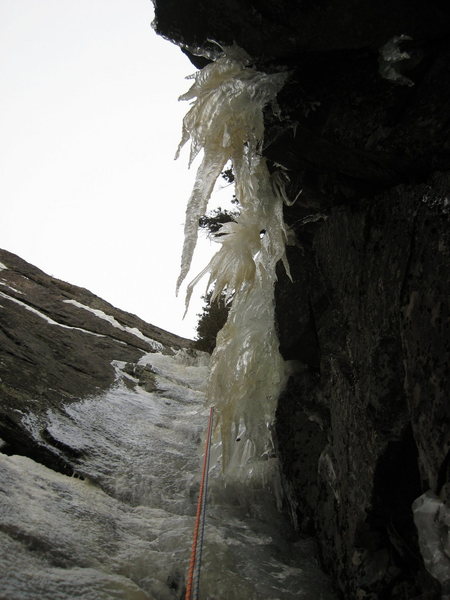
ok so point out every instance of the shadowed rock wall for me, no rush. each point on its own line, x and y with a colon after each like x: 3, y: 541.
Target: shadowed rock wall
x: 363, y: 427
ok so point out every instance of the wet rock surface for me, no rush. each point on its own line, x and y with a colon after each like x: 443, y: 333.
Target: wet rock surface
x: 363, y: 427
x: 54, y: 349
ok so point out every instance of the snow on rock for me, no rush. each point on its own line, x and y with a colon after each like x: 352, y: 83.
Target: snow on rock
x: 45, y: 317
x: 132, y: 330
x: 10, y: 287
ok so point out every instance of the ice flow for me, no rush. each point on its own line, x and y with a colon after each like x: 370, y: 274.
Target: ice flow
x: 121, y: 528
x: 247, y: 372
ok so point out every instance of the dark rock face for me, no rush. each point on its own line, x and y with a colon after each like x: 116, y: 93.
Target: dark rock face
x: 280, y: 30
x: 53, y: 351
x: 371, y: 414
x: 363, y: 427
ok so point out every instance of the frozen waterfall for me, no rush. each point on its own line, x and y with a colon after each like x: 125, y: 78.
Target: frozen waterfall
x: 121, y: 528
x: 247, y: 371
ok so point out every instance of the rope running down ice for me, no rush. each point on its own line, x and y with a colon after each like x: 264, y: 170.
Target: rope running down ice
x: 193, y: 577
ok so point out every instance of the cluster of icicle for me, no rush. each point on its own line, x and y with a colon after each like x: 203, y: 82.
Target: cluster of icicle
x: 246, y: 376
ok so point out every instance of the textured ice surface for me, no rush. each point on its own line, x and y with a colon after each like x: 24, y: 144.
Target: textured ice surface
x: 225, y: 117
x: 247, y: 371
x: 124, y: 532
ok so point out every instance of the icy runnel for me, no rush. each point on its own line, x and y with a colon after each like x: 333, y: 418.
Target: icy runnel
x: 121, y: 528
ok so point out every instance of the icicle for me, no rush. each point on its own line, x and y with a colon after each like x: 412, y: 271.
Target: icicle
x: 247, y: 372
x: 226, y: 115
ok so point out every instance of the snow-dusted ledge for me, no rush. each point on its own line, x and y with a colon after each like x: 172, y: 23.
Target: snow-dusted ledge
x: 45, y: 317
x: 132, y: 330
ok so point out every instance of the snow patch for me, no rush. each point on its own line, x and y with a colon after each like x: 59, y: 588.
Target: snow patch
x: 132, y: 330
x: 10, y: 287
x: 45, y: 317
x: 2, y: 267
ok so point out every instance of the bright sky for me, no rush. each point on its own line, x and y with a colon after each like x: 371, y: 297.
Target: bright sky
x: 89, y: 125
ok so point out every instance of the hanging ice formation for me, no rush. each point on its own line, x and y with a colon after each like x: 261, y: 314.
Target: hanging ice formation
x: 246, y: 376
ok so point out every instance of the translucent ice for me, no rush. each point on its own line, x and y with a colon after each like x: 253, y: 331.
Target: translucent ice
x: 247, y: 371
x: 225, y: 117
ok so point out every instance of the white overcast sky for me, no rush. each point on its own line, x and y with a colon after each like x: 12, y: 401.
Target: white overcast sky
x: 89, y: 125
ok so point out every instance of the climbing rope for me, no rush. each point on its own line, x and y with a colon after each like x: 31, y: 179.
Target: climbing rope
x: 193, y: 577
